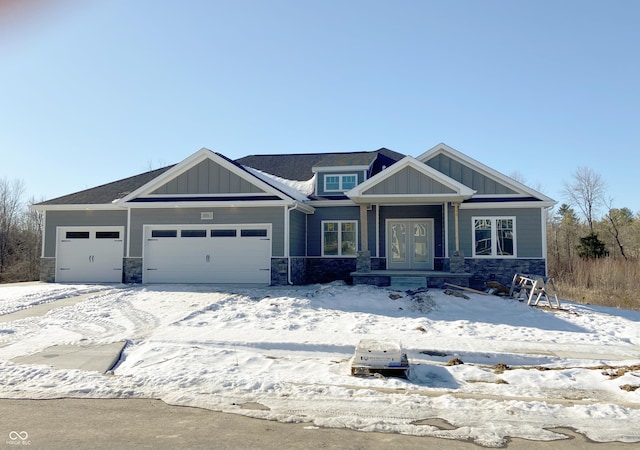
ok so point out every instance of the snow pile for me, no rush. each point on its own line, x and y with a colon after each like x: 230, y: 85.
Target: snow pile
x: 283, y: 353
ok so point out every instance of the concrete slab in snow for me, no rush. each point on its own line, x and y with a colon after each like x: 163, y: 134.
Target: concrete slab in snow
x: 98, y: 358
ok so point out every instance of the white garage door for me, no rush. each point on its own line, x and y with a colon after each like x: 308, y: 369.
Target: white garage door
x: 199, y: 254
x: 89, y: 254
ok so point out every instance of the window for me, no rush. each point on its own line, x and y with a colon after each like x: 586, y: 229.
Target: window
x: 340, y: 182
x: 494, y: 236
x: 193, y: 233
x: 223, y: 233
x: 77, y: 235
x: 107, y: 235
x: 253, y: 233
x: 164, y: 233
x: 339, y: 238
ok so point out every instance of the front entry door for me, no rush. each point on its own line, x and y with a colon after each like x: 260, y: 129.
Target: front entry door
x: 410, y: 244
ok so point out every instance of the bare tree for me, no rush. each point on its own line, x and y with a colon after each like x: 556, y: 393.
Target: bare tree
x: 586, y: 192
x: 615, y: 221
x: 10, y: 206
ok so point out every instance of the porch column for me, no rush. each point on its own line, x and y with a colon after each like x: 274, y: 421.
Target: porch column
x: 364, y: 229
x: 456, y: 261
x: 363, y: 262
x: 455, y: 224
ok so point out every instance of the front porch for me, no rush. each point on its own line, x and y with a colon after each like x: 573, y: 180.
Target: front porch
x: 426, y: 278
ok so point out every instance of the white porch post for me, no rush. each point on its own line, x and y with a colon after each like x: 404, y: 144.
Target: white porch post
x: 364, y: 229
x: 363, y: 260
x: 456, y: 206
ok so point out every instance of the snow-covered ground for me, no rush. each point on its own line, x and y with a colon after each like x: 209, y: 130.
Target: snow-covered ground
x: 283, y: 353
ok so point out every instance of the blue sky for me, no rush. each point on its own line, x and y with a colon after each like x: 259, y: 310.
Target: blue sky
x: 97, y: 91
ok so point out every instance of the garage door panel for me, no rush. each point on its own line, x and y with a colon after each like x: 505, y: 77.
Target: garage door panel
x: 225, y: 255
x: 89, y: 255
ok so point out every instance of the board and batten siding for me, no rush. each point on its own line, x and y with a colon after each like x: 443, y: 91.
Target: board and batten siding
x: 482, y: 184
x: 221, y: 216
x: 314, y: 223
x: 208, y: 178
x: 409, y: 181
x: 87, y: 218
x: 297, y: 233
x: 528, y: 229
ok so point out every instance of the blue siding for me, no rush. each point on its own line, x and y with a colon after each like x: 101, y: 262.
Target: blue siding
x: 208, y: 178
x: 320, y: 180
x: 184, y: 216
x: 314, y: 222
x: 93, y: 218
x: 467, y: 176
x: 528, y: 229
x: 298, y: 234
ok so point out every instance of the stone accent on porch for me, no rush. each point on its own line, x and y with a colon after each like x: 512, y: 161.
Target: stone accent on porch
x: 434, y: 279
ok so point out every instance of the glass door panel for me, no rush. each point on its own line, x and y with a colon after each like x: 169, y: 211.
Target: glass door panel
x: 398, y: 241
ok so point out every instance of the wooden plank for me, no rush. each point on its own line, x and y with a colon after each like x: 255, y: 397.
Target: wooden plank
x: 466, y: 289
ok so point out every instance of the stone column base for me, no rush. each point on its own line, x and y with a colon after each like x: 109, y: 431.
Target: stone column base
x: 363, y: 262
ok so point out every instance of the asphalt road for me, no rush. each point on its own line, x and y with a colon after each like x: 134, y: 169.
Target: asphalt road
x: 137, y: 424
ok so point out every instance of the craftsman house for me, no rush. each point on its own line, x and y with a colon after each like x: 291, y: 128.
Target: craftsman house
x: 363, y: 217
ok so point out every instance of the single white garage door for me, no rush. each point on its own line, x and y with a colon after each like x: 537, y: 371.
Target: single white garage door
x: 89, y: 254
x: 207, y: 254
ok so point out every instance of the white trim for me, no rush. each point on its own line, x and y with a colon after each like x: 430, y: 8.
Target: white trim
x: 327, y: 203
x: 225, y: 195
x: 505, y: 205
x: 361, y: 167
x: 79, y: 207
x: 494, y: 237
x: 377, y: 230
x: 287, y: 237
x: 128, y: 249
x: 543, y: 229
x: 483, y: 169
x: 445, y: 209
x: 225, y: 204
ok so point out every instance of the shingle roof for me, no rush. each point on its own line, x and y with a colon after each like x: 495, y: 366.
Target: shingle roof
x: 291, y: 167
x: 298, y: 166
x: 106, y: 193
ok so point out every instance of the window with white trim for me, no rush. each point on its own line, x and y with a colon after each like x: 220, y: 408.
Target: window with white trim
x: 339, y: 238
x: 340, y: 183
x: 494, y: 237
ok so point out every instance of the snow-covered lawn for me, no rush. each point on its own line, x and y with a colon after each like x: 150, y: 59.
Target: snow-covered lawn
x: 283, y: 353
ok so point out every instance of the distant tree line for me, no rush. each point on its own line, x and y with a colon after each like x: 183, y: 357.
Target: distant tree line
x: 20, y: 234
x: 588, y: 226
x: 594, y: 247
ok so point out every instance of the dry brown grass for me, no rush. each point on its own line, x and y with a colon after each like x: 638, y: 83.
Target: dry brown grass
x: 606, y: 282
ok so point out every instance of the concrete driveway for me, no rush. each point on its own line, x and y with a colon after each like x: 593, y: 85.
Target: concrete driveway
x: 68, y: 424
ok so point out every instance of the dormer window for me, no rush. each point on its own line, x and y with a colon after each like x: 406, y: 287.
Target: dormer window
x: 340, y: 183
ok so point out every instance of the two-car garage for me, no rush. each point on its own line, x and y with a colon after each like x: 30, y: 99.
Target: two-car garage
x: 207, y: 254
